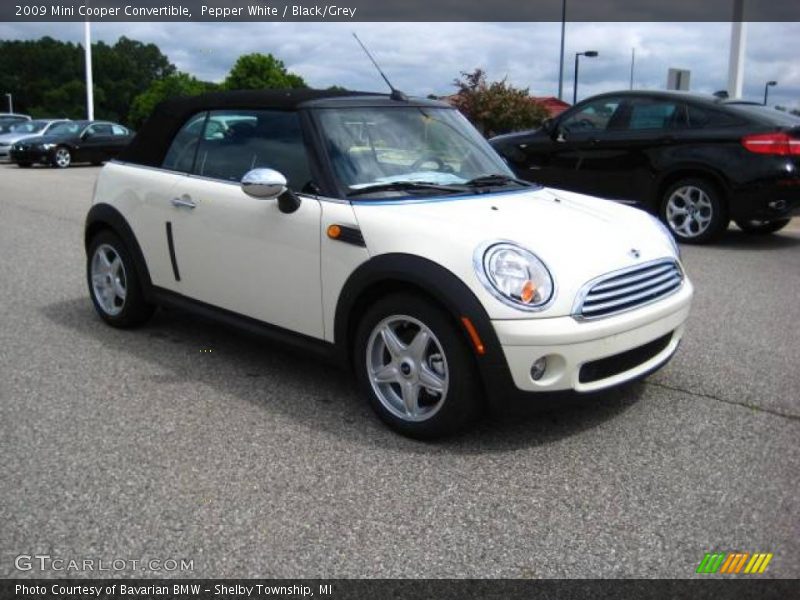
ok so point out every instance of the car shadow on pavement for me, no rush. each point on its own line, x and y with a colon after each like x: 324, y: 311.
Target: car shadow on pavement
x: 735, y: 239
x: 276, y: 377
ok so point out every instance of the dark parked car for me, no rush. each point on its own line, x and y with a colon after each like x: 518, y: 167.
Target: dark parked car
x: 71, y: 142
x: 692, y: 160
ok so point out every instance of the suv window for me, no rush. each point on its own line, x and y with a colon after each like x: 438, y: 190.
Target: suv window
x: 594, y: 116
x: 646, y: 113
x: 236, y: 141
x: 699, y: 118
x: 180, y: 156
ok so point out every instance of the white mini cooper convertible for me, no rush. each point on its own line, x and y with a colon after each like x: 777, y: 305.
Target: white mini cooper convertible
x: 386, y: 233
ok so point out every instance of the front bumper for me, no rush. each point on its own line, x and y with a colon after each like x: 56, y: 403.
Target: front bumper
x: 30, y: 156
x: 633, y: 344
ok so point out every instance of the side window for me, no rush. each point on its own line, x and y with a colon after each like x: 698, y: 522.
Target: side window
x: 100, y: 129
x: 594, y: 116
x: 701, y: 117
x: 236, y: 141
x: 648, y: 113
x: 118, y: 130
x: 180, y: 156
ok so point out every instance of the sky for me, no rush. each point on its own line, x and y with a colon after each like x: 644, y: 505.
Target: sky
x: 425, y: 58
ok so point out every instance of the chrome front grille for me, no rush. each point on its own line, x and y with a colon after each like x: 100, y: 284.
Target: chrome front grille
x: 628, y: 289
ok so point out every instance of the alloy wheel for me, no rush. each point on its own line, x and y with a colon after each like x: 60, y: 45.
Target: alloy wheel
x: 109, y: 283
x: 407, y: 368
x: 63, y: 158
x: 689, y: 211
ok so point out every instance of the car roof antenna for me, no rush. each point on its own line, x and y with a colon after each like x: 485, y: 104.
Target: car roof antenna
x: 396, y: 94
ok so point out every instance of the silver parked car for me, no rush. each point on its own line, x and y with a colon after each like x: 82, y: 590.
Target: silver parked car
x: 23, y: 130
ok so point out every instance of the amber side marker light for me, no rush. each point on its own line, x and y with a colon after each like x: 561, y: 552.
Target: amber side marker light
x: 528, y: 292
x: 334, y: 231
x: 473, y: 335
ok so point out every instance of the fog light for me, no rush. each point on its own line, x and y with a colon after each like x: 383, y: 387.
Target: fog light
x: 538, y: 368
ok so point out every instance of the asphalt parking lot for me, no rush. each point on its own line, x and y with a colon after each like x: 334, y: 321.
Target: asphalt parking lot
x: 184, y: 440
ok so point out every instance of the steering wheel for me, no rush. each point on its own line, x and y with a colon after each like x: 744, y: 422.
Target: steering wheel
x: 440, y: 164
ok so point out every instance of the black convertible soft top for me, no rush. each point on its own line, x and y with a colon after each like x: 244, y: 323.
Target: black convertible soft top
x: 154, y: 138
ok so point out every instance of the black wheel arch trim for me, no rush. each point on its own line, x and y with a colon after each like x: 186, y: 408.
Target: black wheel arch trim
x: 104, y: 216
x: 443, y: 286
x: 690, y: 171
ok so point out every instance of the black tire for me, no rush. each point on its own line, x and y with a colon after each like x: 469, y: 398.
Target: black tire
x: 133, y: 310
x: 56, y: 159
x: 463, y: 395
x: 24, y: 165
x: 756, y: 227
x: 709, y: 213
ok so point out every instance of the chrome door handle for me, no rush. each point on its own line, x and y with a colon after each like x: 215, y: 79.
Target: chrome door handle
x: 184, y: 201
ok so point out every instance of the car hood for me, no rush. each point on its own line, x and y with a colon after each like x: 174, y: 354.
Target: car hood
x: 578, y: 237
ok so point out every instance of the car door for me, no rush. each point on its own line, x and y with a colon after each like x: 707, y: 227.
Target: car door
x: 95, y: 143
x: 626, y: 157
x: 240, y: 253
x: 120, y: 137
x: 557, y: 157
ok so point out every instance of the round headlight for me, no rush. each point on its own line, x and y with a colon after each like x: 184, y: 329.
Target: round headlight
x: 516, y: 276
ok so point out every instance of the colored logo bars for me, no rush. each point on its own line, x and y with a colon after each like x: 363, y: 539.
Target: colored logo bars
x: 734, y: 562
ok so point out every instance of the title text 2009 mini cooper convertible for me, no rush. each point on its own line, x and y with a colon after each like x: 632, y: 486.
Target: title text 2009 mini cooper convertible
x: 386, y: 232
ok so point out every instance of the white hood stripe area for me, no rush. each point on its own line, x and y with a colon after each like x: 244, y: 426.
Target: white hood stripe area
x: 579, y: 238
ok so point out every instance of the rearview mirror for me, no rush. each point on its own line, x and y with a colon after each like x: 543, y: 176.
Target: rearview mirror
x: 264, y: 184
x: 269, y: 184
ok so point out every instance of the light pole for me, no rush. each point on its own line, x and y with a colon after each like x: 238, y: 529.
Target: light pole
x: 561, y: 60
x: 588, y: 53
x: 768, y: 85
x: 11, y: 103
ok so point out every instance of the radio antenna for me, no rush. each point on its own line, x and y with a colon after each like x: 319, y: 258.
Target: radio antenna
x: 396, y: 94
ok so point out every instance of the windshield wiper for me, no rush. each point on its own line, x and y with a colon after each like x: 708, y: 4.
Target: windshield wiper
x: 403, y: 186
x: 496, y: 179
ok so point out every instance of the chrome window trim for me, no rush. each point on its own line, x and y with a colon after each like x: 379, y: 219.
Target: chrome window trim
x: 589, y: 285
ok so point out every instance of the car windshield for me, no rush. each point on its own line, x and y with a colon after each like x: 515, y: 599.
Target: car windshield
x: 29, y: 127
x: 396, y: 150
x: 64, y: 128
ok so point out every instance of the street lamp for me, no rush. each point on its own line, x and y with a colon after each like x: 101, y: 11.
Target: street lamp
x: 588, y: 53
x: 10, y: 103
x: 768, y: 85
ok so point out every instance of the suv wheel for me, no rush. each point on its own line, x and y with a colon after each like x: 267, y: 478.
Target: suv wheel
x: 762, y: 227
x: 114, y: 284
x: 415, y: 367
x: 694, y: 211
x: 62, y: 157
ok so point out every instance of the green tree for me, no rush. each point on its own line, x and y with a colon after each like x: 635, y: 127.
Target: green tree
x: 496, y: 107
x: 259, y: 71
x: 177, y: 84
x: 46, y: 76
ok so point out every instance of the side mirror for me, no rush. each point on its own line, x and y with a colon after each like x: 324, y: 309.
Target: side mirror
x: 268, y: 184
x: 547, y: 125
x: 86, y: 135
x: 264, y: 184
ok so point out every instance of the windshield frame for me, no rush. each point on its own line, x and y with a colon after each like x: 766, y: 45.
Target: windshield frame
x: 346, y: 192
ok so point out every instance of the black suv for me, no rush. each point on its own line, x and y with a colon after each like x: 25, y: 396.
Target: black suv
x: 695, y: 161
